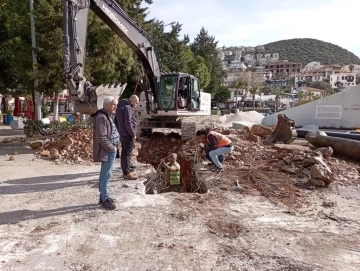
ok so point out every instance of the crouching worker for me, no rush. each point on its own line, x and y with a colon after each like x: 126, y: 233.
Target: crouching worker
x: 172, y: 172
x: 217, y: 145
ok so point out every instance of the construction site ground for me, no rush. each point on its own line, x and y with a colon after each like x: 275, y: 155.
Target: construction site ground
x: 267, y: 220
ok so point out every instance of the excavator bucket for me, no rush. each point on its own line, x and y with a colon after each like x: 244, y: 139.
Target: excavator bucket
x: 94, y: 97
x: 284, y: 131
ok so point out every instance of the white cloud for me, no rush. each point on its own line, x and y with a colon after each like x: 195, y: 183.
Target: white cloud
x: 262, y: 22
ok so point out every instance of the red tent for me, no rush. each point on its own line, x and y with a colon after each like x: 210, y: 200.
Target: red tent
x: 17, y: 108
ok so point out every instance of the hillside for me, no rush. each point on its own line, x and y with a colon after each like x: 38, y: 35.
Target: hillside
x: 308, y: 50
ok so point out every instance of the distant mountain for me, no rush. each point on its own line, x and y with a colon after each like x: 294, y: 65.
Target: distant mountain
x: 308, y: 50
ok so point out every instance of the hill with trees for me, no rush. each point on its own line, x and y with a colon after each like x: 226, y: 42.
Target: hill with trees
x: 308, y: 50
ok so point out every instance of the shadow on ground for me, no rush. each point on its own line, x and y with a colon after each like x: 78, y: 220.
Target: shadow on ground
x: 47, y: 183
x: 23, y: 215
x: 20, y: 148
x: 5, y: 130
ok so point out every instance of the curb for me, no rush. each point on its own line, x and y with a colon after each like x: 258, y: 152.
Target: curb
x: 14, y: 145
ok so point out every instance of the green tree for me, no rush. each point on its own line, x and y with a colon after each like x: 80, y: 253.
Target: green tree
x: 321, y: 85
x: 204, y: 45
x: 195, y: 66
x: 15, y: 47
x: 239, y: 84
x: 253, y: 91
x: 222, y: 95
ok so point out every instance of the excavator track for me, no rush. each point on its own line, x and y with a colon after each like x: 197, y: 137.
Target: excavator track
x: 188, y: 128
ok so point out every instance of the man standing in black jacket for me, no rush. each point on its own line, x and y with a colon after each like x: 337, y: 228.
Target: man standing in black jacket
x: 127, y: 127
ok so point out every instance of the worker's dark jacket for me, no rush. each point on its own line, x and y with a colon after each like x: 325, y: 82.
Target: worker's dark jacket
x: 102, y: 145
x: 125, y: 120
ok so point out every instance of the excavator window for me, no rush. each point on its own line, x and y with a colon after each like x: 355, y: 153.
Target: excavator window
x: 195, y: 94
x: 167, y: 92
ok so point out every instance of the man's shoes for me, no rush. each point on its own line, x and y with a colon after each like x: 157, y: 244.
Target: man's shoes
x: 130, y: 176
x: 132, y: 166
x: 108, y: 204
x: 111, y: 199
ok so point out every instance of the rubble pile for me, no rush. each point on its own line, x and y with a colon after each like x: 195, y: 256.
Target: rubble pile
x: 276, y: 171
x: 73, y: 147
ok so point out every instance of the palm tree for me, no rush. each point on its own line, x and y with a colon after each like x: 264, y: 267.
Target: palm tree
x: 239, y: 84
x: 253, y: 91
x: 277, y: 91
x: 300, y: 94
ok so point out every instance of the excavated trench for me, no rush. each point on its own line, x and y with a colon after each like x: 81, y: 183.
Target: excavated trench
x: 157, y: 146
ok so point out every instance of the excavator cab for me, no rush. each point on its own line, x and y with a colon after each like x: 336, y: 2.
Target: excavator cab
x: 178, y: 91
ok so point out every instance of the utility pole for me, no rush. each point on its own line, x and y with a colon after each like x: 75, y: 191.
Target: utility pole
x: 36, y: 94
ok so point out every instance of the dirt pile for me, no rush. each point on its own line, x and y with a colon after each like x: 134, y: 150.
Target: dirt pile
x: 277, y: 171
x: 73, y: 147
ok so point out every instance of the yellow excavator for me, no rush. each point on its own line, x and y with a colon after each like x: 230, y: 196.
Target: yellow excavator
x: 167, y: 97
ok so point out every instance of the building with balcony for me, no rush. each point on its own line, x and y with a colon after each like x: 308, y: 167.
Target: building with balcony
x: 344, y: 80
x: 304, y: 79
x: 277, y: 83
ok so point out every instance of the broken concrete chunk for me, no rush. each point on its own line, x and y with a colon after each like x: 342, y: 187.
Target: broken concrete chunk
x: 315, y: 182
x: 290, y: 170
x: 321, y: 172
x: 36, y: 144
x: 254, y: 138
x: 261, y: 130
x: 326, y: 151
x: 290, y: 148
x: 45, y: 154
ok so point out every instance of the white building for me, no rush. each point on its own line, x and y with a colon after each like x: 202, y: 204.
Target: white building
x: 354, y: 68
x: 307, y: 78
x: 345, y: 80
x: 314, y: 91
x: 312, y: 66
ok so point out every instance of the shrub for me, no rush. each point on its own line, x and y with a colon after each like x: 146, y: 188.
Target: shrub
x: 37, y: 127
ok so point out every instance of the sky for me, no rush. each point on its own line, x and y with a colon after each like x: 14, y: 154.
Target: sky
x: 257, y: 22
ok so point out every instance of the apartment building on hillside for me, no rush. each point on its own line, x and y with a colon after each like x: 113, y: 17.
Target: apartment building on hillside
x: 284, y: 67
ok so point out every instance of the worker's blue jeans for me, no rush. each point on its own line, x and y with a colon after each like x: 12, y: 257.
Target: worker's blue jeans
x: 214, y: 154
x: 105, y: 175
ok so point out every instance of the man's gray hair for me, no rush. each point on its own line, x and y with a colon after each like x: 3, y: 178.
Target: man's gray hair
x: 109, y: 99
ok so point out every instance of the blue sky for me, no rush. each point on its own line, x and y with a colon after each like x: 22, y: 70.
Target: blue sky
x: 257, y: 22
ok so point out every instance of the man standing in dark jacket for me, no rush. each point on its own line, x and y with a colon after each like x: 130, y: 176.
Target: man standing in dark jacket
x: 127, y: 127
x: 105, y: 142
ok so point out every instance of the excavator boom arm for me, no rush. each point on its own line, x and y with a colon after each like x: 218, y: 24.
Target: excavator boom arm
x: 74, y: 47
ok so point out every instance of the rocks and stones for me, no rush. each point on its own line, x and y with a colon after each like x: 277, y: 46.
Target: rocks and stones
x: 37, y: 144
x: 290, y: 148
x: 316, y: 183
x: 261, y: 130
x: 290, y: 170
x: 326, y: 151
x: 321, y: 172
x: 254, y: 138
